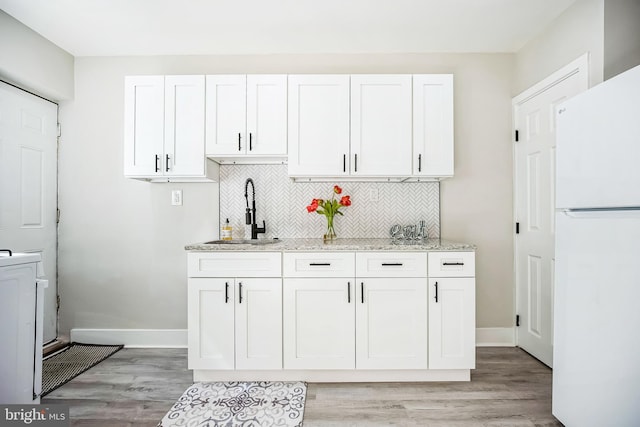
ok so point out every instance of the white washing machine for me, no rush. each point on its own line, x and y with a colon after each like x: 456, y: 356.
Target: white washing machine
x: 21, y: 319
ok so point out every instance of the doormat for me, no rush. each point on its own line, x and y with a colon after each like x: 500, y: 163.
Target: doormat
x: 65, y: 365
x: 247, y: 404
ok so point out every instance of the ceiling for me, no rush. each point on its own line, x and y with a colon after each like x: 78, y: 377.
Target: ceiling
x: 207, y: 27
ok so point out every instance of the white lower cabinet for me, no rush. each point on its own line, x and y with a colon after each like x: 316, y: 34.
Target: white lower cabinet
x: 319, y: 323
x: 332, y: 316
x: 359, y: 322
x: 234, y: 322
x: 391, y: 323
x: 210, y: 324
x: 452, y: 310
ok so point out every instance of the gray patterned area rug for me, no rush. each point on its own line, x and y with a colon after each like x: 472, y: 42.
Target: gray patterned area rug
x: 246, y: 404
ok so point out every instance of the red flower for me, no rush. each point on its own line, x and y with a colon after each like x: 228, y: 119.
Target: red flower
x: 313, y: 206
x: 337, y: 189
x: 345, y: 201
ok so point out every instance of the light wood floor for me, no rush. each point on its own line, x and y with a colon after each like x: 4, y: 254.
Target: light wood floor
x: 136, y: 387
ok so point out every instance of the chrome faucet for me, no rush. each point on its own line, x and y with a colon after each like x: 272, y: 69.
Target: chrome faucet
x: 250, y: 215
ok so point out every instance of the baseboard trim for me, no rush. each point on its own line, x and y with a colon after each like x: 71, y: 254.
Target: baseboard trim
x: 495, y: 337
x: 177, y: 338
x: 133, y: 338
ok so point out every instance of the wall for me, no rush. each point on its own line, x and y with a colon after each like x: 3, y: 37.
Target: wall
x: 32, y: 62
x: 121, y: 258
x: 281, y: 203
x: 621, y: 36
x: 577, y: 30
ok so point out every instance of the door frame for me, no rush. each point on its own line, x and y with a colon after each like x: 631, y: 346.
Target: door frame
x: 578, y: 66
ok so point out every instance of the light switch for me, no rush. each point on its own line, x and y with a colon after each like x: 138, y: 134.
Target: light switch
x: 176, y: 197
x: 373, y: 195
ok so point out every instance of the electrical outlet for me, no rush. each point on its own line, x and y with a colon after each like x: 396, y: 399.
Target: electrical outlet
x: 373, y: 195
x: 176, y: 197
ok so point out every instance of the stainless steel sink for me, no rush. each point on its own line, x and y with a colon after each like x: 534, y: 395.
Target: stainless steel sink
x: 242, y: 242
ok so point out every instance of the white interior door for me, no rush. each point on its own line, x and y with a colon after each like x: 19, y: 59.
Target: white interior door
x: 534, y: 155
x: 28, y: 185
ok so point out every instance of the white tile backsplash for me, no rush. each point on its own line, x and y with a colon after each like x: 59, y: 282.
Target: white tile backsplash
x: 282, y: 204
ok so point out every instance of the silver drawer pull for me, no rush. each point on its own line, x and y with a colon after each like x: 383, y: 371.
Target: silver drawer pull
x: 325, y: 264
x: 453, y: 263
x: 392, y: 264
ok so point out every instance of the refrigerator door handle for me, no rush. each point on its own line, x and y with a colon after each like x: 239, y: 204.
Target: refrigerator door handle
x: 603, y: 213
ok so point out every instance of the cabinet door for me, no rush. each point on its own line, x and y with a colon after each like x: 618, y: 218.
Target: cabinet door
x: 452, y: 316
x: 184, y: 126
x: 210, y: 323
x: 318, y: 125
x: 319, y: 323
x: 143, y: 125
x: 381, y: 125
x: 391, y: 323
x: 226, y: 114
x: 258, y: 323
x: 433, y: 125
x: 266, y: 115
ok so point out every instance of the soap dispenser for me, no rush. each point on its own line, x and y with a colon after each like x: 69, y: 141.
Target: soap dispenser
x: 227, y: 230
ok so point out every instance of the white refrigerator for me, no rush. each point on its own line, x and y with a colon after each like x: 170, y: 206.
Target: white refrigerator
x: 596, y: 355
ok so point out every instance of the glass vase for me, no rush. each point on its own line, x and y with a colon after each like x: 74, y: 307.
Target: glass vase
x: 330, y: 234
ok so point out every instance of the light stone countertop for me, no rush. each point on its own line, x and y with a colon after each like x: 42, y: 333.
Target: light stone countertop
x: 337, y: 245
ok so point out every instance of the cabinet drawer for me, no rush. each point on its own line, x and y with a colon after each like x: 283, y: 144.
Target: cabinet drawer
x: 319, y: 264
x: 391, y: 264
x: 234, y: 264
x: 452, y: 264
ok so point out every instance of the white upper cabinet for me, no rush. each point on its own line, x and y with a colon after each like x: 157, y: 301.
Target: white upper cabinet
x: 183, y: 126
x: 389, y: 127
x: 381, y: 125
x: 143, y: 125
x: 164, y: 129
x: 226, y: 114
x: 433, y: 125
x: 267, y: 115
x: 319, y: 125
x: 246, y: 117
